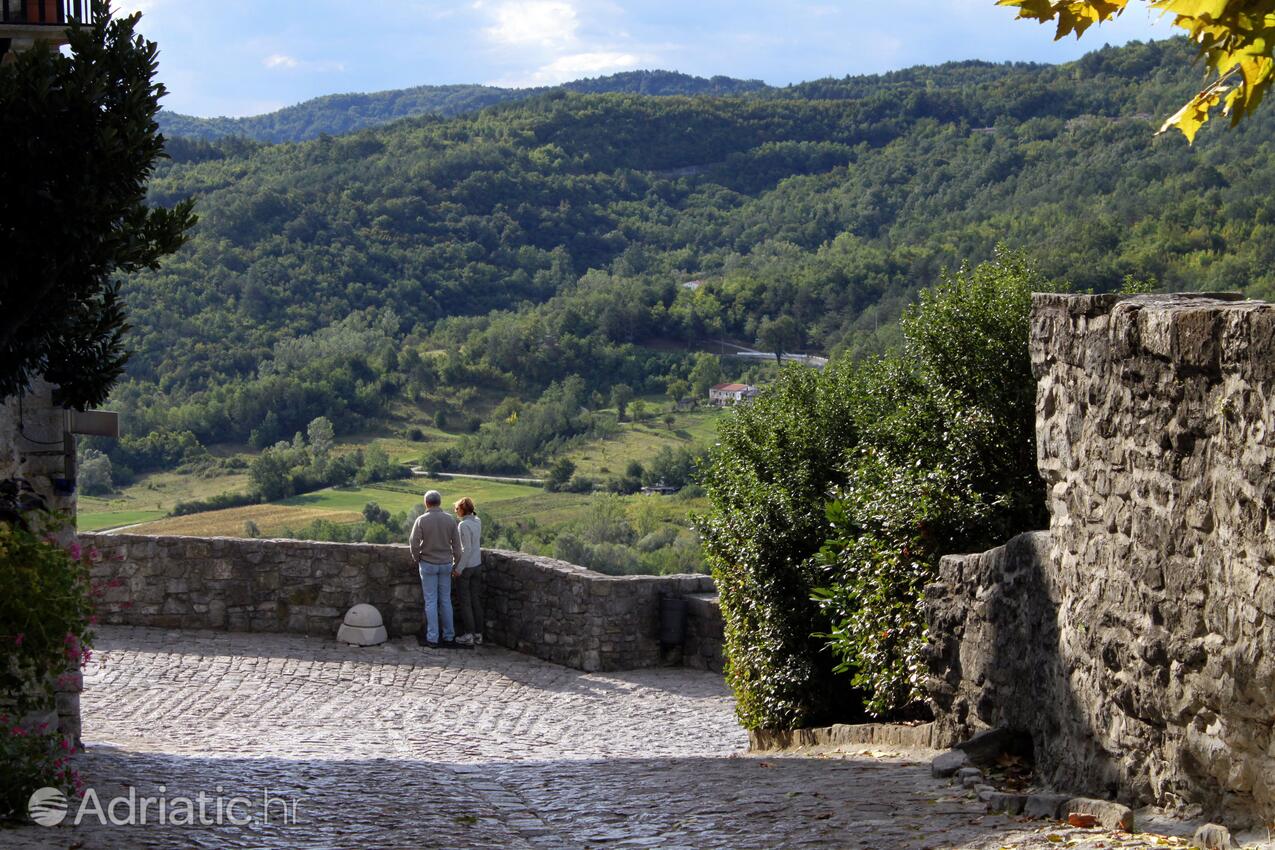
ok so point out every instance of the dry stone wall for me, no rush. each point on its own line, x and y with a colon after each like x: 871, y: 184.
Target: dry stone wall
x: 551, y: 609
x: 1135, y: 641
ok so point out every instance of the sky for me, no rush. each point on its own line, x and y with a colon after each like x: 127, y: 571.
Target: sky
x: 244, y: 58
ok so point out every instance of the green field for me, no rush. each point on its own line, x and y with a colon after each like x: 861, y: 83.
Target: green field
x: 641, y: 441
x: 528, y: 509
x: 338, y: 504
x: 113, y: 519
x: 150, y: 497
x: 145, y: 504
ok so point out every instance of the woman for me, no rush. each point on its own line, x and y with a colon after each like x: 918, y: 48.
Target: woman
x: 469, y: 574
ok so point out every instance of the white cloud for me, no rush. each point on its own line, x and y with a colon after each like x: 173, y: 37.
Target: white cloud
x: 547, y: 24
x: 284, y: 62
x: 574, y: 66
x: 281, y: 60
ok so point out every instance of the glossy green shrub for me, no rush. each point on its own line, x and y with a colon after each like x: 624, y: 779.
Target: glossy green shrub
x: 767, y: 479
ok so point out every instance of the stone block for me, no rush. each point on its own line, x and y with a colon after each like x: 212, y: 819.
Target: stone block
x: 1045, y: 805
x: 1111, y: 815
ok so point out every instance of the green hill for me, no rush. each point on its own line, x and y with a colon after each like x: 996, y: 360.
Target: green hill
x: 338, y: 114
x: 454, y: 263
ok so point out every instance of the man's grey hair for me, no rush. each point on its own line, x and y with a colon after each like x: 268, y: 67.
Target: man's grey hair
x: 433, y: 499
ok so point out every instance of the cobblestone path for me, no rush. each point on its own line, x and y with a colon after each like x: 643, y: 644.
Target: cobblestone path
x: 400, y: 747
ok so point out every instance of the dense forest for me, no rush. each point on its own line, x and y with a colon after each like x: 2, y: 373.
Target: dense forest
x: 338, y: 114
x: 464, y: 262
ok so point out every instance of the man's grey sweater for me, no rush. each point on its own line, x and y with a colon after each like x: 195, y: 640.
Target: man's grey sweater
x: 435, y: 539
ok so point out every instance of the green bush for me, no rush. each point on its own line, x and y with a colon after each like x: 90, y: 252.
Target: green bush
x: 767, y: 480
x: 45, y: 620
x: 945, y: 463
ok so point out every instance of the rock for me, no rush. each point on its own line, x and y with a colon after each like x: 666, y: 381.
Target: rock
x: 1045, y: 805
x: 1212, y: 836
x: 984, y: 747
x: 947, y: 763
x: 984, y: 792
x: 966, y: 772
x: 1004, y: 801
x: 1110, y: 815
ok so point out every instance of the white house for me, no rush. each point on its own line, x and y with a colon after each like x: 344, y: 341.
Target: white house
x: 724, y: 394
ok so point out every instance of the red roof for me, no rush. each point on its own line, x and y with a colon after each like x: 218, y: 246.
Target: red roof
x: 732, y: 388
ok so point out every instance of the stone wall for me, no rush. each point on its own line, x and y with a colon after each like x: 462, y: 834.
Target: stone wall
x: 705, y: 633
x: 1136, y: 641
x: 553, y: 610
x: 33, y: 449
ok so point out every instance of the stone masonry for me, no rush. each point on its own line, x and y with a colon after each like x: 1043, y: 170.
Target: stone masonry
x: 1135, y: 641
x: 33, y: 448
x: 547, y: 608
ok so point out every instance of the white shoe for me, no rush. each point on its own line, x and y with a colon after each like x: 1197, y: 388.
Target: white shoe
x: 478, y: 640
x: 465, y: 640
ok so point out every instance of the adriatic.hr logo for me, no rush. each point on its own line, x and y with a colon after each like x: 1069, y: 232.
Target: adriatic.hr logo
x: 50, y: 807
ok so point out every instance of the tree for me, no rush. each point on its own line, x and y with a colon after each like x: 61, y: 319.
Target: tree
x: 271, y: 473
x: 322, y: 435
x: 74, y: 214
x: 559, y: 474
x: 1233, y: 36
x: 374, y: 514
x: 705, y: 374
x: 677, y: 390
x: 621, y: 395
x: 95, y: 474
x: 778, y: 335
x: 669, y: 419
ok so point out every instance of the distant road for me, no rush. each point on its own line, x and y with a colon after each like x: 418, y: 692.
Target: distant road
x: 753, y: 354
x: 420, y: 472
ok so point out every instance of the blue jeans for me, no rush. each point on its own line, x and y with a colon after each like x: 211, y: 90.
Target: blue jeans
x: 436, y: 584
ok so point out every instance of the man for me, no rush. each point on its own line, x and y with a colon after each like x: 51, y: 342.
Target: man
x: 435, y: 545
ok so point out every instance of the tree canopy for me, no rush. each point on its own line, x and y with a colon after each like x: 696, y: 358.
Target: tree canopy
x: 80, y: 144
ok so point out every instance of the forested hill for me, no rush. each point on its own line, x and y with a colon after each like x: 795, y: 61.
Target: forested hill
x: 345, y: 113
x: 550, y: 237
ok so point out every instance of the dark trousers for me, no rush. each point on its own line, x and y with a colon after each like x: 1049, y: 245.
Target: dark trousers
x: 469, y: 600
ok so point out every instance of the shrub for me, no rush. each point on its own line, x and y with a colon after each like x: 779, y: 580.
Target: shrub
x: 215, y: 503
x: 657, y: 539
x: 945, y: 463
x: 767, y: 479
x: 45, y: 617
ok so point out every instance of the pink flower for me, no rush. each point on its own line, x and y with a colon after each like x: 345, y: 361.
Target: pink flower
x: 75, y: 551
x: 21, y: 636
x: 94, y: 554
x: 18, y: 732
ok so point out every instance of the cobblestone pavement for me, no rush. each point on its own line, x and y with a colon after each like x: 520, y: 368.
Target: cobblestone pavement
x: 400, y: 747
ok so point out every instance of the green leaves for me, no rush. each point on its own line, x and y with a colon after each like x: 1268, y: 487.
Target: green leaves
x: 767, y: 479
x: 81, y: 144
x: 945, y: 463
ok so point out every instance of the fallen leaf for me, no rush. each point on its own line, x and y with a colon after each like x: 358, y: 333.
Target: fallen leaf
x: 1082, y: 821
